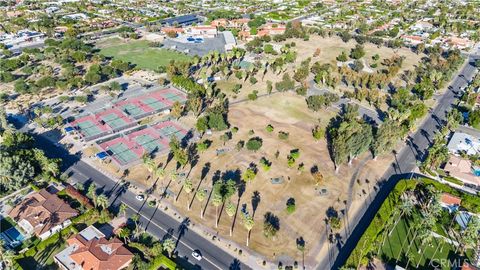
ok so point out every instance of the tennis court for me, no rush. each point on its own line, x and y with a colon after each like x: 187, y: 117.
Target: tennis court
x: 113, y: 120
x: 154, y: 103
x: 122, y: 153
x: 132, y: 109
x: 168, y: 129
x: 174, y: 97
x: 149, y: 143
x: 89, y: 128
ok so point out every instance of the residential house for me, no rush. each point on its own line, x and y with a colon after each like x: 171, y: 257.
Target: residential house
x: 463, y: 170
x: 450, y: 202
x: 271, y: 29
x: 422, y: 26
x: 412, y: 40
x: 90, y: 250
x: 239, y: 23
x: 205, y: 31
x: 219, y: 22
x: 43, y: 214
x: 176, y: 30
x: 459, y: 43
x: 462, y: 142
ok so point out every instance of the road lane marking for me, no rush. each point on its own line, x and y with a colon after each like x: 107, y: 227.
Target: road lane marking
x: 154, y: 223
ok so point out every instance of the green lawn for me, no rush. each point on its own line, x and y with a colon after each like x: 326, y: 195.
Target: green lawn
x: 139, y: 52
x: 422, y: 255
x: 41, y: 255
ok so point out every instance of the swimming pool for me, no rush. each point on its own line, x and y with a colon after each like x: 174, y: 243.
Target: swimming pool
x: 14, y: 235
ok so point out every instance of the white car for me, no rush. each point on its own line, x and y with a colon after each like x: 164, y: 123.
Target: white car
x: 139, y: 197
x: 196, y: 254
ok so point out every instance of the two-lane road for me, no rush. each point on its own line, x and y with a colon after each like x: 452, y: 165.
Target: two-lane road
x: 406, y: 161
x: 155, y: 220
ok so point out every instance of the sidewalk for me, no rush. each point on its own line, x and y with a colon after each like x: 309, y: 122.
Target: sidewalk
x: 248, y: 257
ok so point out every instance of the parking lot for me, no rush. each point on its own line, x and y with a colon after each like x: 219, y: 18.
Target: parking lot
x: 209, y: 44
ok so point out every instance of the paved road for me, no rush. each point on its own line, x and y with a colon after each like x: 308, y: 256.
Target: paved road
x: 367, y: 114
x: 157, y: 223
x: 406, y: 161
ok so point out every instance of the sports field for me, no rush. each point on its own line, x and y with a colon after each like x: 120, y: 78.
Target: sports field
x: 139, y: 52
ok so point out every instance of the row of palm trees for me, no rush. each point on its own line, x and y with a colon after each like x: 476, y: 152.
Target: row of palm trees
x: 220, y: 195
x: 428, y: 202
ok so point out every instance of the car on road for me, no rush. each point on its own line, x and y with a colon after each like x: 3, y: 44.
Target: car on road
x: 140, y: 197
x: 196, y: 254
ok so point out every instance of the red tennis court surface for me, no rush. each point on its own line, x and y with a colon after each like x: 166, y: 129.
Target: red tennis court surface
x: 124, y: 113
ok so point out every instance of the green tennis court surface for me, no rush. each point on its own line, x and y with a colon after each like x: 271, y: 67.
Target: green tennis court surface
x: 149, y: 143
x: 154, y: 103
x: 173, y: 97
x: 168, y: 130
x: 113, y: 120
x: 122, y: 153
x: 88, y: 128
x: 132, y: 109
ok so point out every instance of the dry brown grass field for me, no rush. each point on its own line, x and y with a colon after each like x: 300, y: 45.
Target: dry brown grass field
x: 286, y: 112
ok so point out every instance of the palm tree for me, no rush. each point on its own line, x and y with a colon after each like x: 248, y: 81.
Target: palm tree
x: 168, y: 245
x: 159, y: 172
x: 230, y: 209
x: 469, y: 236
x: 410, y: 256
x: 426, y: 237
x: 122, y: 209
x: 216, y: 201
x: 149, y: 163
x: 92, y: 193
x: 201, y: 195
x: 135, y: 218
x: 248, y: 222
x: 188, y: 187
x: 424, y: 228
x: 124, y: 233
x: 102, y: 202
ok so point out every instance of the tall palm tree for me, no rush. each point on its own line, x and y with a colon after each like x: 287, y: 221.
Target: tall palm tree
x: 424, y: 228
x: 122, y: 209
x: 188, y: 188
x: 159, y: 173
x: 169, y: 246
x: 248, y: 222
x: 406, y: 208
x: 230, y: 209
x: 200, y: 196
x: 216, y: 201
x: 124, y: 233
x: 102, y: 201
x: 149, y: 163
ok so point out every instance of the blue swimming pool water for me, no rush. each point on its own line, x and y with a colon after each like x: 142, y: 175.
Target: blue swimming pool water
x: 14, y: 234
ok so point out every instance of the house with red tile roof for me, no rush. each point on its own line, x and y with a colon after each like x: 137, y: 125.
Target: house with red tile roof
x: 450, y: 202
x: 43, y: 214
x: 412, y: 40
x: 90, y: 250
x: 463, y: 170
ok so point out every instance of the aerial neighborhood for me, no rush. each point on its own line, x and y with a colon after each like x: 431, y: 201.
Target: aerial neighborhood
x: 249, y: 134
